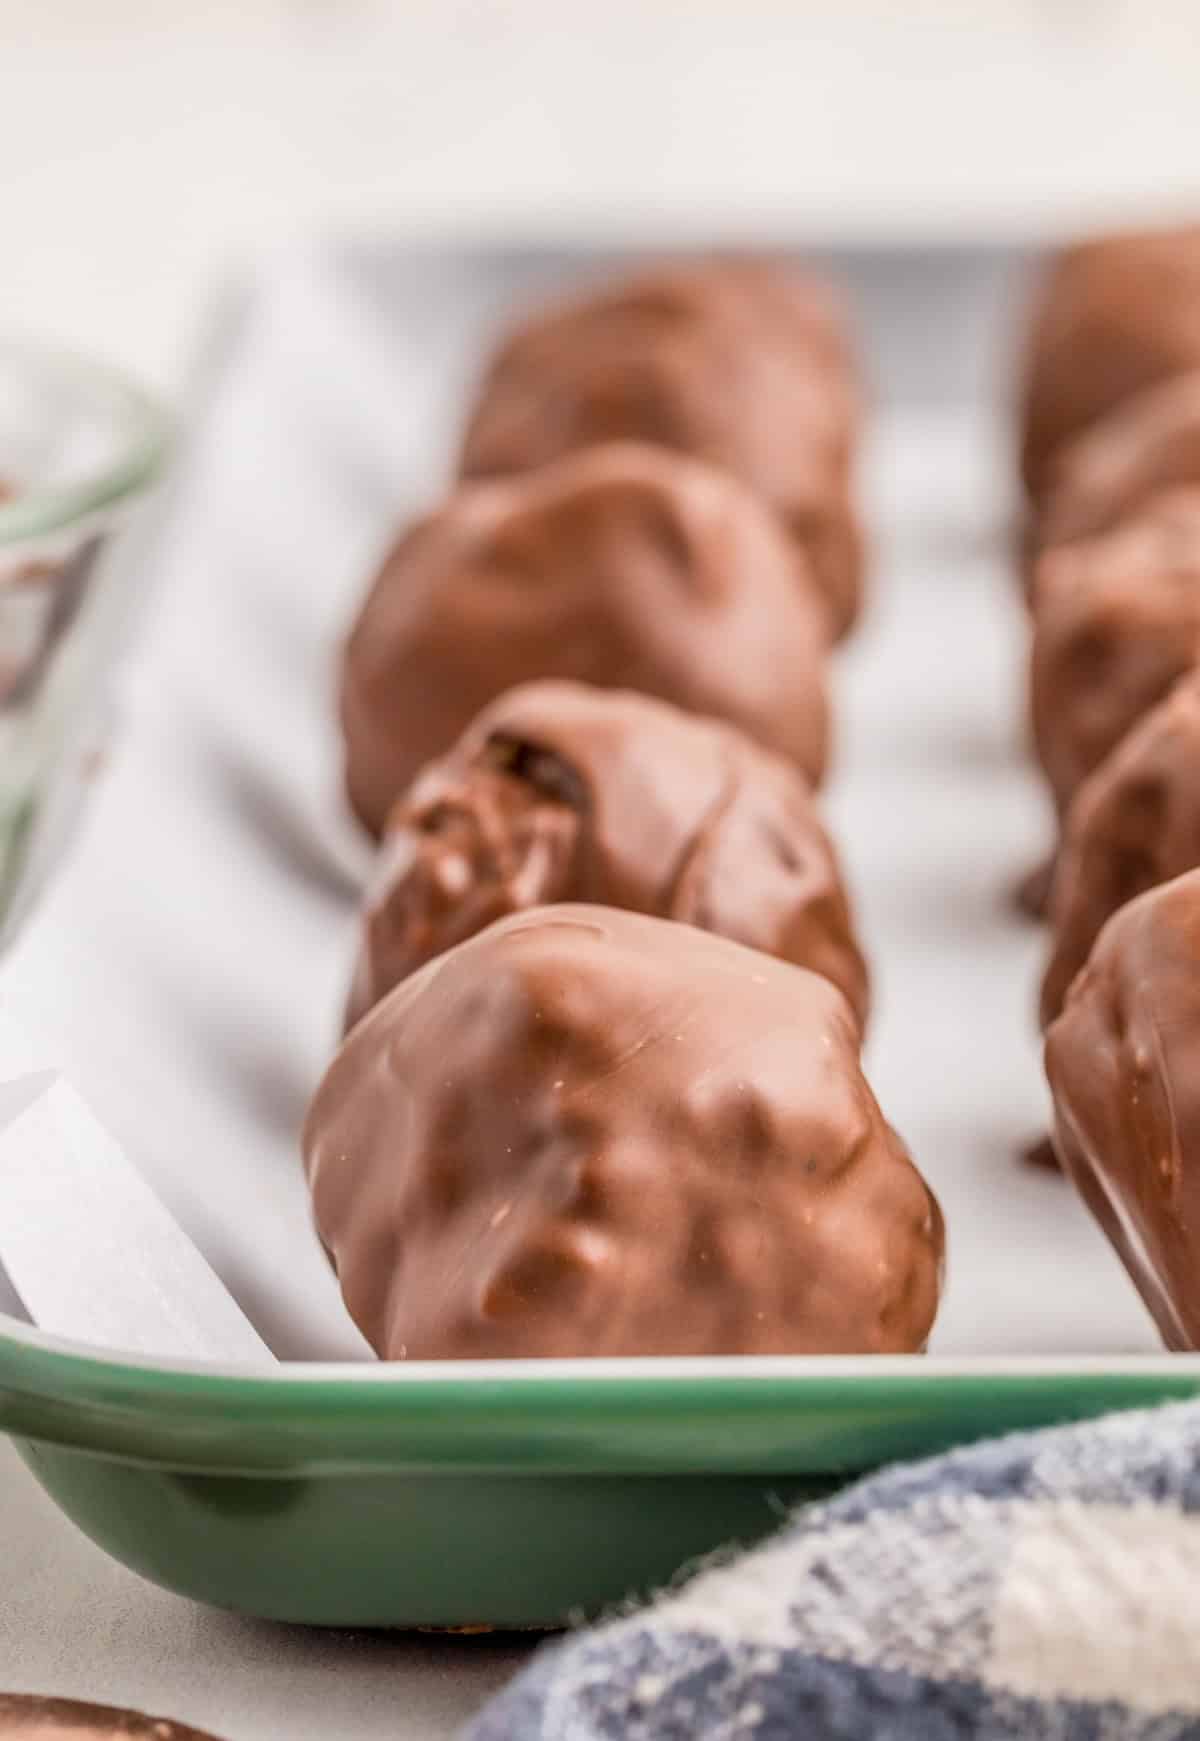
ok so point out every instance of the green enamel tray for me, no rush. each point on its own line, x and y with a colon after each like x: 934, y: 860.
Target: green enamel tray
x: 513, y: 1494
x: 522, y: 1494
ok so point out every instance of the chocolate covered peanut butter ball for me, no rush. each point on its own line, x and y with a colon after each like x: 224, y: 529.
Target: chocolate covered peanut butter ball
x: 1123, y: 1061
x: 1148, y: 444
x: 589, y: 1132
x: 1133, y: 824
x: 623, y: 566
x: 564, y: 792
x: 27, y: 1717
x: 1116, y: 624
x: 1113, y: 316
x: 737, y: 362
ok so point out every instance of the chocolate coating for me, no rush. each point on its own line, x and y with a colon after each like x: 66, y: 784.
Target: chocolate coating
x: 623, y: 566
x: 589, y: 1132
x: 1147, y: 444
x: 1112, y: 317
x: 1133, y: 824
x: 1116, y: 624
x: 1123, y: 1060
x: 739, y: 363
x: 561, y: 792
x: 29, y: 1718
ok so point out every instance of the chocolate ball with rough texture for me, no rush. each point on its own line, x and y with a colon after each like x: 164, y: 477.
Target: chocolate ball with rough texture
x: 1148, y: 444
x: 623, y: 566
x: 1123, y: 1060
x: 740, y: 363
x: 1133, y: 824
x: 1116, y: 624
x: 563, y: 792
x: 1113, y: 316
x: 589, y: 1132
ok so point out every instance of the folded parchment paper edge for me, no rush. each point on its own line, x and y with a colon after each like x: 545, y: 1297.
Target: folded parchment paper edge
x: 89, y: 1249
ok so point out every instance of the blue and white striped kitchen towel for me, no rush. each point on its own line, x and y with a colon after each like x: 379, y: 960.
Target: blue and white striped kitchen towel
x: 1044, y: 1587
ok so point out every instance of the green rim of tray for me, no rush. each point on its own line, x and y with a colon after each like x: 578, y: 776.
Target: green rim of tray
x: 633, y: 1416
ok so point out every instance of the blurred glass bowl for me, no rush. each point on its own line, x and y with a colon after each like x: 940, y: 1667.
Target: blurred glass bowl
x: 79, y: 447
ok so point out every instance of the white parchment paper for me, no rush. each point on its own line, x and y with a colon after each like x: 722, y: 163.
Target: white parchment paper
x: 88, y: 1248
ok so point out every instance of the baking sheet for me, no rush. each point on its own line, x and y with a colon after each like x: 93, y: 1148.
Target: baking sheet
x: 188, y: 969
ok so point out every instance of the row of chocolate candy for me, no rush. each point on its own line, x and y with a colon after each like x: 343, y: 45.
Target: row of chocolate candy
x: 1112, y: 459
x: 596, y: 674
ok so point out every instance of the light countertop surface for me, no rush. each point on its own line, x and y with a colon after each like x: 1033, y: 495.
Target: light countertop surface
x: 74, y: 1623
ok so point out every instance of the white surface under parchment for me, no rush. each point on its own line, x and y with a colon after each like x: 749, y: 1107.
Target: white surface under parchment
x: 189, y: 966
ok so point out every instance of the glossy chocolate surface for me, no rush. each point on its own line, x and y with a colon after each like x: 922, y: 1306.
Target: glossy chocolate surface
x: 1123, y: 1060
x: 739, y: 363
x: 589, y: 1132
x: 562, y: 792
x: 28, y: 1718
x: 1113, y: 316
x: 1133, y: 824
x: 1116, y: 624
x: 623, y: 566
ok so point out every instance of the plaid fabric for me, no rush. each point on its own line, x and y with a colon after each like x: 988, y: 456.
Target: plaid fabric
x: 1044, y: 1587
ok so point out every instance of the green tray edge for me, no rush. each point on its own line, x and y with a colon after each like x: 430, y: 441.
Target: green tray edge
x: 800, y: 1416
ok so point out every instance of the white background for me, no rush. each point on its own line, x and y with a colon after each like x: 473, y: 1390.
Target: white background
x: 149, y: 146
